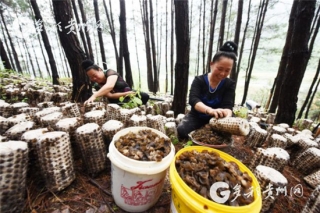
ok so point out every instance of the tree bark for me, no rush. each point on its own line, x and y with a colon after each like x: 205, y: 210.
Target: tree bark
x: 145, y: 23
x: 112, y: 29
x: 314, y: 33
x: 83, y: 38
x: 312, y: 98
x: 229, y: 20
x: 172, y: 45
x: 166, y: 51
x: 41, y: 46
x: 213, y: 19
x: 182, y: 56
x: 199, y: 41
x: 154, y: 51
x: 75, y: 55
x: 37, y: 61
x: 222, y: 23
x: 99, y: 30
x: 159, y: 47
x: 275, y: 92
x: 204, y: 38
x: 15, y: 55
x: 233, y: 74
x: 84, y: 20
x: 136, y: 48
x: 7, y: 47
x: 45, y: 39
x: 295, y: 68
x: 4, y: 57
x: 26, y: 48
x: 254, y: 47
x: 123, y: 32
x: 310, y: 95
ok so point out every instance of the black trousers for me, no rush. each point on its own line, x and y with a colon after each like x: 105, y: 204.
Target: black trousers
x: 189, y: 123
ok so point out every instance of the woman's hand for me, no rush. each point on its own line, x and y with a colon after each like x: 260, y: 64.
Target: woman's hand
x: 130, y: 92
x: 219, y: 113
x: 90, y: 100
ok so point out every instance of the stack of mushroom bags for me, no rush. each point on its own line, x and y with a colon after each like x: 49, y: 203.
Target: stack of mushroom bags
x: 276, y: 146
x: 45, y: 141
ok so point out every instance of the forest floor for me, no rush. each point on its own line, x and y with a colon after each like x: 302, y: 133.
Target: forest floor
x: 89, y: 195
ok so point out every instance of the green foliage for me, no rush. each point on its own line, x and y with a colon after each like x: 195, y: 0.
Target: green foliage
x: 5, y: 73
x: 3, y: 97
x: 65, y: 81
x: 241, y: 112
x: 189, y: 143
x: 298, y: 124
x: 134, y: 100
x: 174, y: 139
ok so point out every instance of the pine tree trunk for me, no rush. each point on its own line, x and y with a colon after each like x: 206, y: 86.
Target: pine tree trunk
x: 145, y: 23
x: 159, y: 48
x: 41, y: 48
x: 24, y: 60
x: 154, y: 51
x: 295, y: 68
x: 283, y: 62
x: 112, y: 29
x: 229, y: 20
x: 126, y: 54
x: 243, y: 41
x: 4, y: 57
x: 37, y: 61
x: 15, y: 55
x: 166, y: 51
x: 99, y: 30
x: 310, y: 95
x: 213, y: 18
x: 44, y: 57
x: 8, y: 50
x: 84, y: 20
x: 83, y: 38
x: 75, y: 55
x: 255, y: 44
x: 233, y: 74
x: 28, y: 56
x: 204, y: 38
x: 120, y: 59
x: 26, y: 48
x: 45, y: 39
x: 312, y: 98
x: 222, y: 23
x: 136, y: 48
x: 199, y: 41
x: 172, y: 44
x: 314, y: 33
x: 182, y: 61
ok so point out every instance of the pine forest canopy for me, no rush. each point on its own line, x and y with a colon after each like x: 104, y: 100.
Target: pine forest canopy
x: 142, y: 39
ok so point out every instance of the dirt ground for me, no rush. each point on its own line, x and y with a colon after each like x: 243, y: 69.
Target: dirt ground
x: 89, y: 195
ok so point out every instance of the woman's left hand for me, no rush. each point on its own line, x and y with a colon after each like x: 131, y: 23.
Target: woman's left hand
x: 220, y: 113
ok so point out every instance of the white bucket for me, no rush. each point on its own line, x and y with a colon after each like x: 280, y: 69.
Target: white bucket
x: 137, y: 185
